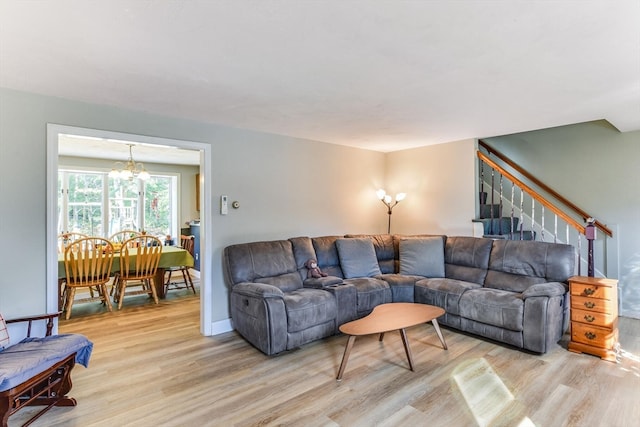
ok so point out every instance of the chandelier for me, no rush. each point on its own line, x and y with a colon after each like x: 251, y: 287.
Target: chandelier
x: 129, y: 170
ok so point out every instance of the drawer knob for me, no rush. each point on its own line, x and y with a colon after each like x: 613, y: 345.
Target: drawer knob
x: 590, y: 335
x: 589, y: 291
x: 589, y: 318
x: 589, y: 304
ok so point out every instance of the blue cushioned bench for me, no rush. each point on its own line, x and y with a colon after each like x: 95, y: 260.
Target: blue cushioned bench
x: 36, y: 371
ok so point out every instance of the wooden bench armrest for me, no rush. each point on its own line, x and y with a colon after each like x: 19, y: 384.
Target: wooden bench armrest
x: 48, y: 317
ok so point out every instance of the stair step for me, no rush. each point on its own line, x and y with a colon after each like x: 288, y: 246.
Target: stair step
x: 485, y: 211
x: 502, y: 225
x: 526, y: 235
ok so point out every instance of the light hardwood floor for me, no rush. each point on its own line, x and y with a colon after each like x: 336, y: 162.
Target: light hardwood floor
x: 151, y: 367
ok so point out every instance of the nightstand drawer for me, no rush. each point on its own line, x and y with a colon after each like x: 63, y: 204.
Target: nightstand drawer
x: 591, y: 304
x: 593, y: 291
x: 592, y: 318
x: 594, y: 335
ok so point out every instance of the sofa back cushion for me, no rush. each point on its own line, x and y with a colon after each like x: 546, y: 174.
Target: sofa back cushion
x: 396, y: 245
x: 467, y: 258
x: 357, y: 257
x: 422, y: 257
x: 302, y: 252
x: 263, y: 262
x: 384, y: 248
x: 514, y: 265
x: 327, y: 255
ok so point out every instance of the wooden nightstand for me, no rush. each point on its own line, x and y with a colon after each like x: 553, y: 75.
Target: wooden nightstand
x: 594, y: 316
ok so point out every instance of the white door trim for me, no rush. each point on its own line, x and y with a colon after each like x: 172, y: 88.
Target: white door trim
x: 206, y: 233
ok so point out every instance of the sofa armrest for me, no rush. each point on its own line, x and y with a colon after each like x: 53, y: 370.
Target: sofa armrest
x: 321, y: 282
x: 258, y: 290
x: 549, y: 289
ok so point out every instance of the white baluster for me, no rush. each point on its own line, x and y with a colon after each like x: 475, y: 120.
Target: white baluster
x: 579, y: 253
x: 521, y: 212
x: 513, y: 191
x: 542, y: 224
x: 500, y: 208
x: 533, y: 217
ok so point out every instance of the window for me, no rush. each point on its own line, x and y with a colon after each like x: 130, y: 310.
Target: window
x: 90, y: 202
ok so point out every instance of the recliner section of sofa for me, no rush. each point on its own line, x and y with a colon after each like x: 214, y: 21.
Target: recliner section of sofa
x: 506, y: 290
x: 270, y: 307
x: 509, y: 291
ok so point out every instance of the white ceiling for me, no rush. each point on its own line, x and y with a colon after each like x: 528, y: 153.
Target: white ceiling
x: 383, y: 75
x: 117, y: 150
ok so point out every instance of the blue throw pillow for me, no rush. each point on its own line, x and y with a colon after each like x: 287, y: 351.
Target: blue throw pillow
x: 422, y: 257
x: 357, y: 258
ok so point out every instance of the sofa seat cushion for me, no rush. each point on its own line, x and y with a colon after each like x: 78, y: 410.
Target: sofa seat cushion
x: 285, y: 282
x: 370, y: 292
x: 495, y: 307
x: 442, y: 292
x: 309, y: 307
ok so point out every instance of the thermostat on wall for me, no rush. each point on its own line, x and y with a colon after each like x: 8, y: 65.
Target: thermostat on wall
x: 224, y: 208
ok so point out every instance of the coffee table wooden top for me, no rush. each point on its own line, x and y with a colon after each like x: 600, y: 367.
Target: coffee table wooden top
x: 391, y: 317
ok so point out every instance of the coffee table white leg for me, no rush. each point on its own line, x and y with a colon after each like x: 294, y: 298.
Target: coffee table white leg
x: 437, y: 328
x: 407, y: 349
x: 345, y: 356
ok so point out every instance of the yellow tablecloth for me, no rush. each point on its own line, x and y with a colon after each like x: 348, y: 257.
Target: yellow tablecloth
x: 172, y: 256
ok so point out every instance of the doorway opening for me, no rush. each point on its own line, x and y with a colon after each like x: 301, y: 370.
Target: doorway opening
x: 106, y: 147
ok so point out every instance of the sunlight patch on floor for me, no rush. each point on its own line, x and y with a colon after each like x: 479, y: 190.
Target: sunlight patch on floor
x: 628, y: 361
x: 485, y: 394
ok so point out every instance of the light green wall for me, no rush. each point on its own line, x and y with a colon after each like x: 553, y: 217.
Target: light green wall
x: 286, y: 187
x: 598, y: 169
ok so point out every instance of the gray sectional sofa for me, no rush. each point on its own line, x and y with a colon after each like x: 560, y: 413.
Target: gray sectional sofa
x: 514, y: 292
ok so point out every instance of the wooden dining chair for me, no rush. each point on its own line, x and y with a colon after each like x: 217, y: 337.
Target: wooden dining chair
x: 123, y: 235
x: 64, y: 239
x: 187, y: 243
x: 117, y: 239
x: 87, y: 264
x: 139, y: 259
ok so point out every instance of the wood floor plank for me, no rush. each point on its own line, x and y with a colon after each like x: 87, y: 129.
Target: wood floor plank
x: 151, y: 367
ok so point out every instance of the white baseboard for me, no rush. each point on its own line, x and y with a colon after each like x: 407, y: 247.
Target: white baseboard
x: 221, y: 326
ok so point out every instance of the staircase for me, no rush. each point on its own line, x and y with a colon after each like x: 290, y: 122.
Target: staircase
x: 511, y: 197
x: 497, y: 226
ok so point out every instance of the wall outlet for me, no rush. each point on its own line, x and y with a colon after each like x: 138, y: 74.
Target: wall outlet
x: 224, y: 205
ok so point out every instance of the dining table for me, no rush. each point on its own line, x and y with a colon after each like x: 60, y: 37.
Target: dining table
x: 172, y: 256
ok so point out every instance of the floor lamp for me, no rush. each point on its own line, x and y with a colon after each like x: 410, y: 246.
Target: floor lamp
x: 386, y: 200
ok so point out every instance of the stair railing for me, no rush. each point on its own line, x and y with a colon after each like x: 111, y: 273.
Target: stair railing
x: 572, y: 206
x: 568, y: 213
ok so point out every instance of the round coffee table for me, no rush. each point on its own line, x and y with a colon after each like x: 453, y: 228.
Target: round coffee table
x: 391, y: 317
